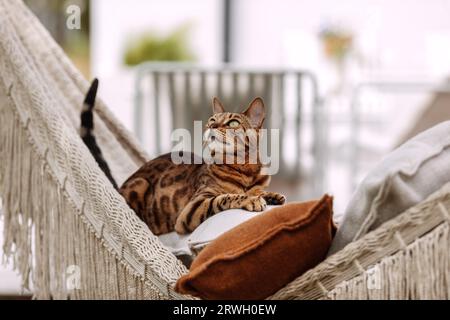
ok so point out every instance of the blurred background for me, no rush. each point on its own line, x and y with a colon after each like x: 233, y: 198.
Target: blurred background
x: 344, y: 82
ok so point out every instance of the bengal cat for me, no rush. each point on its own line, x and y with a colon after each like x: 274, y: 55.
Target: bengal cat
x: 169, y: 196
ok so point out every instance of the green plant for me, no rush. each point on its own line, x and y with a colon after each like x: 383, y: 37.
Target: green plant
x: 153, y: 47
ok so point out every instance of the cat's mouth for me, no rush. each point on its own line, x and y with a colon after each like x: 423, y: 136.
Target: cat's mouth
x: 214, y: 139
x: 218, y: 145
x: 217, y: 138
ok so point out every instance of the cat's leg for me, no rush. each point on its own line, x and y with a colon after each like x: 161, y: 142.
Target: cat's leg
x: 195, y: 212
x: 272, y: 198
x: 241, y: 201
x: 204, y: 206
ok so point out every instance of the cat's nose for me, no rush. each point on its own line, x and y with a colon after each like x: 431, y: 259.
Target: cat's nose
x: 214, y: 125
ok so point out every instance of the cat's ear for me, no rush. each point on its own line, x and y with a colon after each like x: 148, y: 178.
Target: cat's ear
x: 217, y: 106
x: 256, y: 113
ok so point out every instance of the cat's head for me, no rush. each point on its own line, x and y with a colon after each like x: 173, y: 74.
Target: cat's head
x: 233, y: 132
x: 252, y: 118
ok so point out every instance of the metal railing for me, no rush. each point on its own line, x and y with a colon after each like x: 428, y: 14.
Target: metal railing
x: 182, y: 93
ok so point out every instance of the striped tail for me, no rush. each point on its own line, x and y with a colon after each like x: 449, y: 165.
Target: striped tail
x: 87, y: 128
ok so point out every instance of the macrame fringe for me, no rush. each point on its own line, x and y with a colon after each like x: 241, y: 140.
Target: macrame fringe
x: 419, y: 271
x: 56, y: 252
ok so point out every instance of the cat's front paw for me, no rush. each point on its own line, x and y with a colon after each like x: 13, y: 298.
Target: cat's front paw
x: 181, y: 226
x: 274, y: 198
x: 255, y: 204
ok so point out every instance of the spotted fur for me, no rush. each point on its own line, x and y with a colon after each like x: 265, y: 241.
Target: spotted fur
x: 169, y: 196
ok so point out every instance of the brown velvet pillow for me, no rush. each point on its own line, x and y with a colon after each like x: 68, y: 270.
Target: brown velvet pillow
x: 263, y: 254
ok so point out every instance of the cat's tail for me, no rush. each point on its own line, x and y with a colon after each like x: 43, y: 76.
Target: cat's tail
x: 87, y: 131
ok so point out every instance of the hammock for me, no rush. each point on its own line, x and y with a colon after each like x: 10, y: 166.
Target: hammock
x: 71, y: 235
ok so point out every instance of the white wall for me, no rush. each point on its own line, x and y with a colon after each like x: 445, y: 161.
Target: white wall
x: 410, y: 37
x: 405, y: 38
x: 113, y: 22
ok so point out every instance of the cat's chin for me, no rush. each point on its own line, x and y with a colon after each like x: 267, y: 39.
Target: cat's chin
x: 217, y: 145
x: 215, y: 159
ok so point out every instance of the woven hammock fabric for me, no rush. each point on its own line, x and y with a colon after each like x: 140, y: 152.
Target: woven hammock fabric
x: 63, y: 218
x: 39, y: 134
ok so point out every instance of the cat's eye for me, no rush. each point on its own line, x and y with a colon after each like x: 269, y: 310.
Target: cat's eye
x: 233, y: 124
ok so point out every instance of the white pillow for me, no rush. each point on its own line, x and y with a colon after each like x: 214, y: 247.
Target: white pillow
x: 177, y: 244
x: 404, y: 178
x: 208, y: 231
